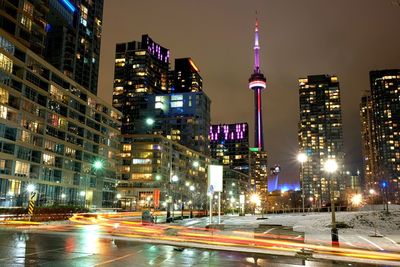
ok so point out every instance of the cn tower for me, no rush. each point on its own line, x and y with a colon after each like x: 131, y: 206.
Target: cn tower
x: 257, y: 83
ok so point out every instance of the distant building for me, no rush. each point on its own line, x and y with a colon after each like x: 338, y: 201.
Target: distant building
x: 385, y: 95
x: 181, y: 117
x: 141, y: 68
x: 149, y: 163
x: 186, y: 77
x: 368, y: 143
x: 321, y: 136
x: 229, y: 143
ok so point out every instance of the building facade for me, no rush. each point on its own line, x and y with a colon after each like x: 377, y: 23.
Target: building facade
x: 141, y: 68
x: 368, y: 142
x: 67, y: 33
x: 229, y: 144
x: 149, y: 163
x: 186, y: 77
x: 385, y: 175
x: 52, y: 131
x: 321, y: 136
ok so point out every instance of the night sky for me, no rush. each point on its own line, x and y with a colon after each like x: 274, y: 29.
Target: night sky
x: 297, y: 38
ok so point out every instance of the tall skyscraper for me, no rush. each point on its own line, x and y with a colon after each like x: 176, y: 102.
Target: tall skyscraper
x: 140, y: 68
x: 258, y: 156
x: 320, y: 136
x: 368, y: 142
x: 186, y: 77
x: 385, y: 93
x: 229, y: 143
x: 74, y: 38
x: 67, y: 33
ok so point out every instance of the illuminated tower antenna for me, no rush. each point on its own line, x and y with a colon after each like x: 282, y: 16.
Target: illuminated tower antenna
x: 257, y: 82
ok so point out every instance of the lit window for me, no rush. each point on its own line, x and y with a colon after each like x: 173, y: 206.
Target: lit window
x: 3, y: 96
x: 27, y: 22
x: 21, y: 168
x: 6, y: 63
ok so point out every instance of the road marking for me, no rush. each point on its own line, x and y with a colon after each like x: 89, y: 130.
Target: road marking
x: 372, y: 243
x: 347, y: 242
x: 269, y: 230
x: 34, y: 253
x: 391, y: 240
x: 116, y: 259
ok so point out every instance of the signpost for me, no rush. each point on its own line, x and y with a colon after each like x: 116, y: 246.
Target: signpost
x: 215, y: 176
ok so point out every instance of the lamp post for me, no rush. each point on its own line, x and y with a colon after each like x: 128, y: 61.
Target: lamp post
x: 97, y: 165
x: 191, y: 188
x: 174, y: 179
x: 331, y: 167
x: 302, y: 157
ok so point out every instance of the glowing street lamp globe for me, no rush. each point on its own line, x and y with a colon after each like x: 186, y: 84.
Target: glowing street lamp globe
x: 98, y: 164
x: 149, y: 121
x: 30, y: 188
x: 302, y: 157
x: 330, y: 166
x: 254, y: 198
x: 175, y: 178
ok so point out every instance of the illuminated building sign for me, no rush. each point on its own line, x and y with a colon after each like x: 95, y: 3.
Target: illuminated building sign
x: 225, y: 132
x: 155, y: 49
x: 68, y: 5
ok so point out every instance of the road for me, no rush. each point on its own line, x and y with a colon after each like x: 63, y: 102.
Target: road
x: 85, y: 247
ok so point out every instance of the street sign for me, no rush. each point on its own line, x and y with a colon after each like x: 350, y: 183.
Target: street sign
x: 211, y: 189
x: 215, y: 176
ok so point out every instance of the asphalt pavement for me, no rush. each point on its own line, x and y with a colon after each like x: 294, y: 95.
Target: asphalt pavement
x: 85, y: 247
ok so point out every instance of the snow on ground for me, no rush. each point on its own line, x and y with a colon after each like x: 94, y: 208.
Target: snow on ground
x: 356, y: 221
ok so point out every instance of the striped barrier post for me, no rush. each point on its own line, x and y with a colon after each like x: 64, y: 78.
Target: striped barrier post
x: 32, y: 201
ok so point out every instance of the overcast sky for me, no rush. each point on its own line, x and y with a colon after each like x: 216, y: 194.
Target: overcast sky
x: 347, y: 38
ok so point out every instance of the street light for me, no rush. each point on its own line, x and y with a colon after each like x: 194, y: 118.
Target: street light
x: 149, y: 121
x: 255, y: 199
x: 302, y: 157
x: 30, y: 188
x: 330, y: 167
x: 196, y: 164
x: 356, y: 200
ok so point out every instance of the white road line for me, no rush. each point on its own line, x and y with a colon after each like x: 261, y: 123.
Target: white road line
x: 372, y: 243
x: 391, y: 240
x: 269, y: 230
x: 347, y: 242
x: 116, y: 259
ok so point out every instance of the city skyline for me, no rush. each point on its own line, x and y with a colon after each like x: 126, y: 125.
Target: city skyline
x: 360, y: 41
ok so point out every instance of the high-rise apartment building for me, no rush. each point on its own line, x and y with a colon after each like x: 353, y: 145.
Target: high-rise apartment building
x: 181, y: 117
x: 73, y: 39
x: 385, y: 86
x: 321, y: 136
x: 140, y: 68
x: 52, y: 131
x: 186, y: 77
x: 229, y: 144
x: 368, y: 142
x: 67, y: 33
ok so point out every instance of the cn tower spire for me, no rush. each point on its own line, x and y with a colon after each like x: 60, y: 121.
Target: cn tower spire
x: 256, y: 50
x: 257, y: 82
